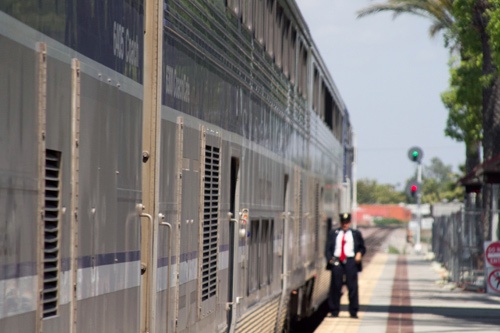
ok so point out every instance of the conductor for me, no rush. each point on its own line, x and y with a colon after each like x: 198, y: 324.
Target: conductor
x: 343, y: 252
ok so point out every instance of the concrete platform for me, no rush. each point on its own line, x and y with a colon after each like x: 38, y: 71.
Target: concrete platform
x: 405, y: 293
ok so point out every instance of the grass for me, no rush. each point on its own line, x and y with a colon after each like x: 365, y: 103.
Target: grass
x: 385, y: 222
x: 393, y: 250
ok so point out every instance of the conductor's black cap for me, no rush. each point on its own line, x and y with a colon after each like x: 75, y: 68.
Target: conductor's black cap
x: 345, y: 217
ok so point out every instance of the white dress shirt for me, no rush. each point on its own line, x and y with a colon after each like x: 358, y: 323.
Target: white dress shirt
x: 349, y: 244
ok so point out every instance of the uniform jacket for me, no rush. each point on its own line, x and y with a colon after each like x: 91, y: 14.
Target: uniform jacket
x: 359, y: 243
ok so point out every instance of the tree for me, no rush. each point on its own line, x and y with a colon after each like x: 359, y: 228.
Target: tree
x: 370, y: 192
x: 464, y: 103
x: 440, y: 183
x: 482, y: 16
x: 476, y: 31
x: 475, y: 20
x: 438, y: 11
x: 463, y: 124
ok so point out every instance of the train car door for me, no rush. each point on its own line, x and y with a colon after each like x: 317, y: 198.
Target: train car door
x: 199, y: 191
x: 233, y: 243
x: 284, y: 256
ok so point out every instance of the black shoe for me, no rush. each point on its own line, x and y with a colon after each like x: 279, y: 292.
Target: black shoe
x: 332, y: 315
x: 354, y: 315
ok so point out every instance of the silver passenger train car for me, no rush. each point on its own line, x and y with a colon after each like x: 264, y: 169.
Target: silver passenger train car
x: 167, y: 166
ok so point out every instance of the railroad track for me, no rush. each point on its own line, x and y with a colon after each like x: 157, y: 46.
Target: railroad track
x: 375, y: 238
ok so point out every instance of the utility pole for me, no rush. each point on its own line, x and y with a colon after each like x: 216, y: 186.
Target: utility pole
x: 418, y: 246
x: 415, y: 154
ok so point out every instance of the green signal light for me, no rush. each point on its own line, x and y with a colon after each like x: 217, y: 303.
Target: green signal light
x: 415, y: 154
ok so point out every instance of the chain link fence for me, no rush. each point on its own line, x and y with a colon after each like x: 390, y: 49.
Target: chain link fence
x: 457, y: 243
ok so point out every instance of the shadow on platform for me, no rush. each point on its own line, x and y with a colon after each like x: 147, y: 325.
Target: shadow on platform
x: 477, y: 315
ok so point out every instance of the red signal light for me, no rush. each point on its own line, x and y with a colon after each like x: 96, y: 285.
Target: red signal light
x: 413, y: 189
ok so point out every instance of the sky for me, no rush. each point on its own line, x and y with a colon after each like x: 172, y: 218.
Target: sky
x: 390, y: 75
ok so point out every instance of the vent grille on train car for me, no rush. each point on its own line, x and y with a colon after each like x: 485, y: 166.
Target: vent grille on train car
x: 210, y: 223
x: 50, y: 293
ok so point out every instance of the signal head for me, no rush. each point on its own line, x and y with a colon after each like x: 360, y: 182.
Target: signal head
x: 413, y: 189
x: 415, y: 154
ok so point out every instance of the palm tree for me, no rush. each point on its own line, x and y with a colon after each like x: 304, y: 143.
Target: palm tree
x: 491, y: 91
x: 479, y: 10
x: 441, y: 15
x: 439, y: 12
x: 465, y: 23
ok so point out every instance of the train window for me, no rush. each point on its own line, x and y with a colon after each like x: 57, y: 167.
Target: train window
x: 329, y: 110
x: 278, y: 36
x: 210, y: 223
x: 270, y: 19
x: 253, y: 256
x: 322, y: 93
x: 266, y: 252
x: 292, y: 54
x: 338, y: 123
x: 263, y: 253
x: 50, y: 292
x: 259, y: 21
x: 285, y: 46
x: 299, y: 69
x: 234, y: 6
x: 260, y: 254
x: 302, y: 70
x: 270, y: 251
x: 247, y: 9
x: 315, y: 96
x: 336, y: 120
x: 302, y: 81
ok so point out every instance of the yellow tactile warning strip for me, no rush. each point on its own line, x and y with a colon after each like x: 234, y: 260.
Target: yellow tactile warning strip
x: 367, y: 280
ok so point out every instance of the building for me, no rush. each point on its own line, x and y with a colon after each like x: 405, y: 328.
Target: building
x: 365, y: 214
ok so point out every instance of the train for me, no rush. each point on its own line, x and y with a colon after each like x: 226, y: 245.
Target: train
x: 167, y: 166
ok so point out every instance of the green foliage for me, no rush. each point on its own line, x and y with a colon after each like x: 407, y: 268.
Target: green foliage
x: 385, y: 222
x: 439, y: 183
x: 464, y: 101
x: 461, y: 22
x: 370, y: 192
x: 479, y: 29
x: 465, y: 25
x: 493, y: 30
x: 393, y: 250
x: 437, y: 11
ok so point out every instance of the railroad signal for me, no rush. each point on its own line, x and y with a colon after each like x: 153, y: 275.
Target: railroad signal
x: 413, y: 189
x: 415, y: 154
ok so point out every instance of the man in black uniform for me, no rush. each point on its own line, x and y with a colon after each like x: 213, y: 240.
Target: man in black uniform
x: 344, y: 249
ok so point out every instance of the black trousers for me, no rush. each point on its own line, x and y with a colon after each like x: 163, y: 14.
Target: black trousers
x: 350, y: 271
